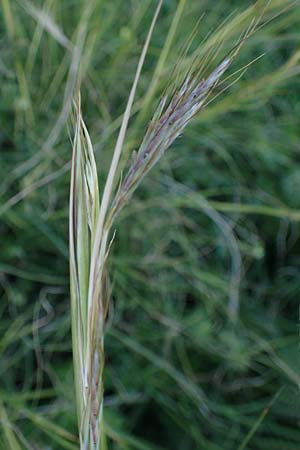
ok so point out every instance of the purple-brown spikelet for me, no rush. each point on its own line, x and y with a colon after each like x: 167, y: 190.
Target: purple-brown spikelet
x: 167, y: 124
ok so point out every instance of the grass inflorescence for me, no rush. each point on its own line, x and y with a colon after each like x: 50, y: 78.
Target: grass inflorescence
x: 197, y: 299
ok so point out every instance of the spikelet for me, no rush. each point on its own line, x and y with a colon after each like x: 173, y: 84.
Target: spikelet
x: 169, y: 120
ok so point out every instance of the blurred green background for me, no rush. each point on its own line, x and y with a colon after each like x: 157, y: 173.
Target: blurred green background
x: 214, y: 226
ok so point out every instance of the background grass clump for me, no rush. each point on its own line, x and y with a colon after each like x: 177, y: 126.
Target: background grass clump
x: 221, y: 209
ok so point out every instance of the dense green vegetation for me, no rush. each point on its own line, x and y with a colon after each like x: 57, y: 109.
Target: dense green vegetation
x: 215, y: 224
